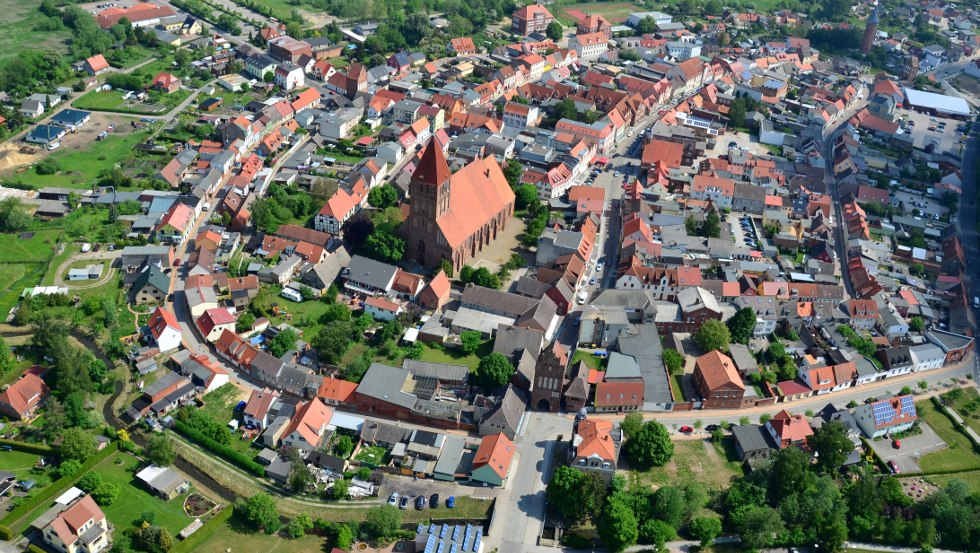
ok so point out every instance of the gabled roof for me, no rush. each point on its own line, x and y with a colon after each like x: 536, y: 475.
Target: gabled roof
x: 496, y: 452
x: 596, y: 440
x: 790, y: 428
x: 25, y: 394
x: 178, y: 217
x: 260, y: 402
x: 160, y: 320
x: 69, y: 523
x: 97, y: 62
x: 337, y: 390
x: 310, y: 418
x: 717, y: 370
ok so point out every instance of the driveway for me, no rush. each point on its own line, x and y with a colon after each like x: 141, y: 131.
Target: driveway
x: 914, y: 447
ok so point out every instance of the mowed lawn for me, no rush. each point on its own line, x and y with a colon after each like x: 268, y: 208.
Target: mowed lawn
x: 134, y: 500
x: 79, y: 168
x: 18, y: 462
x: 967, y: 407
x: 694, y: 460
x: 959, y: 455
x: 39, y: 247
x: 16, y: 29
x: 228, y: 538
x: 615, y: 12
x: 971, y: 479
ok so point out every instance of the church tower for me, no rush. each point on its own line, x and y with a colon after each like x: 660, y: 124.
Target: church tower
x: 870, y: 31
x: 429, y: 191
x: 911, y: 69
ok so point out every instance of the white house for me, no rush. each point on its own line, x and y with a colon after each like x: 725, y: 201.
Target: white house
x: 381, y: 308
x: 165, y: 329
x: 927, y: 357
x: 289, y: 77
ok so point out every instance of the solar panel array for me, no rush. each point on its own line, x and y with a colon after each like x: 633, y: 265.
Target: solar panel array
x: 884, y: 413
x: 451, y: 539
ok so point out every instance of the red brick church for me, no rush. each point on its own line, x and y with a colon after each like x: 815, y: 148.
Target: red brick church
x: 455, y: 215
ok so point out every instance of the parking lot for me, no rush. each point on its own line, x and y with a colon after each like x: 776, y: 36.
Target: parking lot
x: 926, y: 206
x: 740, y: 232
x: 949, y: 139
x: 913, y: 447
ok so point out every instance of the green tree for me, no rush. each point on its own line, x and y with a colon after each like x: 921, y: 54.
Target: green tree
x: 705, y: 530
x: 494, y: 371
x: 106, y: 493
x: 711, y: 228
x: 332, y: 342
x: 381, y: 524
x: 656, y: 533
x: 245, y: 322
x: 76, y: 444
x: 445, y: 266
x: 742, y: 325
x: 669, y: 506
x: 69, y: 468
x: 712, y: 335
x: 159, y: 450
x: 513, y: 172
x: 759, y: 527
x: 554, y: 30
x: 832, y: 446
x: 6, y: 357
x: 646, y: 26
x: 632, y: 424
x: 673, y: 360
x: 383, y: 196
x: 340, y: 489
x: 651, y: 447
x: 618, y: 527
x: 916, y: 324
x: 283, y: 342
x: 89, y: 482
x: 470, y: 341
x: 343, y: 446
x: 261, y: 511
x: 384, y: 246
x: 525, y: 195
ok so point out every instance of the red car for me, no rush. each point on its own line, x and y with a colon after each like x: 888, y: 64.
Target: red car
x: 894, y: 467
x: 897, y: 444
x: 687, y: 429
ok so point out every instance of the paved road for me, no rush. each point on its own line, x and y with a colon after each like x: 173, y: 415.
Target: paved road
x: 968, y: 216
x: 519, y: 511
x: 840, y: 240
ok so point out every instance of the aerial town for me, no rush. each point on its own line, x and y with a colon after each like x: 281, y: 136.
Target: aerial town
x: 489, y: 276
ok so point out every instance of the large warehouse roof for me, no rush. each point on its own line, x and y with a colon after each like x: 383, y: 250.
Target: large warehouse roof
x: 939, y: 102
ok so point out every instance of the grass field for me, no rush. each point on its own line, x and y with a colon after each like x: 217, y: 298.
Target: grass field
x: 18, y: 462
x: 968, y: 407
x: 971, y: 479
x: 702, y: 461
x: 228, y: 538
x: 19, y: 18
x: 959, y: 455
x: 615, y: 12
x: 112, y: 100
x: 80, y: 167
x: 591, y: 361
x: 134, y: 499
x: 37, y: 248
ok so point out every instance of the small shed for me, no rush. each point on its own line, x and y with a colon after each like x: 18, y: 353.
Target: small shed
x: 163, y: 481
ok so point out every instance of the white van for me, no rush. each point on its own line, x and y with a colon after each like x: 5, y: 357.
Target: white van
x: 582, y: 296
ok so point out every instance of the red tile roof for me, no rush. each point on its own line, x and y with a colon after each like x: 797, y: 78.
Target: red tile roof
x: 661, y: 151
x: 25, y: 394
x: 97, y: 62
x: 136, y: 13
x: 596, y: 439
x: 308, y: 421
x: 178, y: 217
x: 790, y: 428
x: 68, y: 524
x: 496, y: 452
x: 160, y: 320
x: 335, y: 389
x: 717, y: 370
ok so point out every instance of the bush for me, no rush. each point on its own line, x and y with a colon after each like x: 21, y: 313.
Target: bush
x: 31, y: 548
x: 40, y: 449
x: 221, y: 450
x: 6, y: 533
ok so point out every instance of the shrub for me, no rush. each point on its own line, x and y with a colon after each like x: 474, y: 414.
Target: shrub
x: 221, y: 450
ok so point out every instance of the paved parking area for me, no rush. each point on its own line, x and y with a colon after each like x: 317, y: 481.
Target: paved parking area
x: 738, y: 231
x: 907, y: 458
x: 916, y: 201
x: 949, y: 140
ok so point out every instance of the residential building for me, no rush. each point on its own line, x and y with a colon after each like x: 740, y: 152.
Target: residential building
x: 595, y: 447
x: 788, y: 430
x: 21, y: 399
x: 308, y: 426
x: 589, y: 46
x: 492, y: 460
x: 717, y: 381
x: 164, y: 329
x: 887, y: 416
x: 78, y: 528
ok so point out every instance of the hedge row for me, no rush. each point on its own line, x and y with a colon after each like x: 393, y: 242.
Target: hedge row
x: 231, y: 455
x: 56, y: 488
x: 40, y: 449
x: 204, y: 532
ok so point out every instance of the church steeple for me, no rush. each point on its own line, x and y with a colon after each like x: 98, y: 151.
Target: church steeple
x: 870, y: 31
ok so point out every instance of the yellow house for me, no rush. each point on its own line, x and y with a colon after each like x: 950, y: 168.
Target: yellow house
x: 81, y: 528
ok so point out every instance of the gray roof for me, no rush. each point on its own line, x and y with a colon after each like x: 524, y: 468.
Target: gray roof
x: 451, y: 455
x: 742, y: 357
x: 168, y: 379
x: 385, y: 382
x: 622, y: 366
x: 380, y: 432
x: 751, y: 438
x: 628, y: 299
x: 512, y: 340
x: 509, y: 411
x: 496, y: 301
x: 441, y: 371
x: 531, y: 287
x: 948, y: 340
x: 644, y: 346
x: 373, y: 273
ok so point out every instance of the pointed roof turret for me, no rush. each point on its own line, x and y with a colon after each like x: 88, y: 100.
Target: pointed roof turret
x: 433, y: 168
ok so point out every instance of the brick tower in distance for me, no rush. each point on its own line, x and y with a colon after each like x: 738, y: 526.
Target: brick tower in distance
x: 870, y: 30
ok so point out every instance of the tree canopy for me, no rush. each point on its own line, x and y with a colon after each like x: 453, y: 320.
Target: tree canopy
x: 712, y: 335
x: 494, y: 371
x: 650, y: 447
x: 742, y: 325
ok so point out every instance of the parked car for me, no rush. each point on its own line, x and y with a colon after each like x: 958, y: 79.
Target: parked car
x: 434, y: 500
x: 393, y: 499
x: 897, y: 444
x: 894, y: 467
x: 420, y: 502
x: 451, y: 502
x: 687, y: 429
x: 712, y: 427
x: 592, y: 281
x: 404, y: 502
